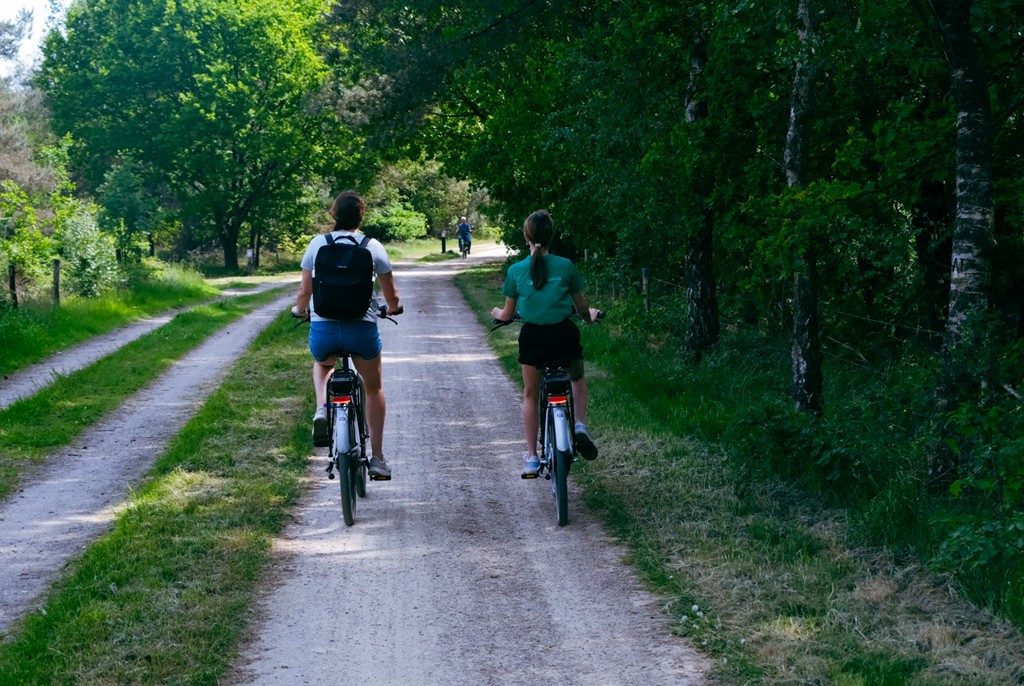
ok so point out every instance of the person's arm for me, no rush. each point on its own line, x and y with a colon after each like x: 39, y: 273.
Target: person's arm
x: 505, y: 314
x: 587, y: 314
x: 390, y: 292
x: 301, y: 308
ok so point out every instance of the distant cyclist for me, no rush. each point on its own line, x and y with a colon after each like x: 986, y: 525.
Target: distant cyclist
x: 464, y: 231
x: 358, y: 336
x: 546, y: 289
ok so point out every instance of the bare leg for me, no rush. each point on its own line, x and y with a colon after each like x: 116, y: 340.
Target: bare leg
x: 531, y: 387
x: 579, y: 390
x: 579, y: 399
x: 376, y: 407
x: 321, y: 372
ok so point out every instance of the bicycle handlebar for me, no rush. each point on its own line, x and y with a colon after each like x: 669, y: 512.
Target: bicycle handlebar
x: 498, y: 323
x: 382, y: 312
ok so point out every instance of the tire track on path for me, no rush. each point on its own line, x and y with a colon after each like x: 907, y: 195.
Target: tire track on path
x: 30, y: 380
x: 76, y: 492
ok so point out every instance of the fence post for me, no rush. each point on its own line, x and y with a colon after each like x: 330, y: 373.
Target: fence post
x: 12, y: 274
x: 56, y: 281
x: 645, y: 279
x: 444, y: 236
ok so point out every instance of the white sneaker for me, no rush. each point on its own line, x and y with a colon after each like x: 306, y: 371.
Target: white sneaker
x: 585, y: 442
x: 320, y: 437
x: 379, y: 469
x: 532, y: 467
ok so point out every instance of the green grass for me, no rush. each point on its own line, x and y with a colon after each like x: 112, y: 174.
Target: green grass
x: 33, y: 332
x: 162, y: 599
x: 74, y: 402
x: 763, y: 574
x: 767, y: 578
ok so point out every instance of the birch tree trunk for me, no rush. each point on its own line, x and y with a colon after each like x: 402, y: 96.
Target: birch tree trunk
x: 973, y: 225
x: 806, y: 349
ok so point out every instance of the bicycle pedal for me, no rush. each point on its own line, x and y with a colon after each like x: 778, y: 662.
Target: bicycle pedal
x: 378, y: 477
x: 529, y: 476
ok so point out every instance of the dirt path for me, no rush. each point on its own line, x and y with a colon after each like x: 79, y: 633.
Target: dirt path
x: 455, y: 572
x: 72, y: 499
x: 29, y: 381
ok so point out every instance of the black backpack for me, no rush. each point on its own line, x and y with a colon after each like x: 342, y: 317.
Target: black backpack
x: 343, y: 278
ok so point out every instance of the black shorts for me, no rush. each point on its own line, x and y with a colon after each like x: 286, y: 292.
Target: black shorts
x: 539, y: 344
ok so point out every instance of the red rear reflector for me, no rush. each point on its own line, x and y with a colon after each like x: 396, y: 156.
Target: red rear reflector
x: 342, y: 399
x: 558, y: 399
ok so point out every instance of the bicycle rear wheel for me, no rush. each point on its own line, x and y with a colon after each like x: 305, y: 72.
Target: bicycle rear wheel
x: 558, y: 464
x: 346, y: 462
x: 561, y: 485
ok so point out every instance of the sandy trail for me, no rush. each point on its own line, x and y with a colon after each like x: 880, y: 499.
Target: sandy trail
x: 455, y: 572
x: 73, y: 497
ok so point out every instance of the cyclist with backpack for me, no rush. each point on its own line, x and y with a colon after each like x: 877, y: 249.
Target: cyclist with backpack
x: 546, y: 289
x: 336, y: 293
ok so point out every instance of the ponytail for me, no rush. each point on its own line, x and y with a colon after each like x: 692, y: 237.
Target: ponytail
x: 539, y: 229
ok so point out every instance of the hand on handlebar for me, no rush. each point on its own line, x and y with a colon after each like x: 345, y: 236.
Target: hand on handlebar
x: 299, y: 314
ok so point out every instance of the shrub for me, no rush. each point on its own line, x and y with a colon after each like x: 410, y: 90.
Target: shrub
x: 88, y: 255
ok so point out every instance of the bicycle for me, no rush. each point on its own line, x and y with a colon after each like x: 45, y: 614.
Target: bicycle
x: 347, y: 431
x: 464, y: 244
x: 557, y: 422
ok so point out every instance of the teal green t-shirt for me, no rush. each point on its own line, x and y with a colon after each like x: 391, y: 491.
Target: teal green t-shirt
x: 550, y: 304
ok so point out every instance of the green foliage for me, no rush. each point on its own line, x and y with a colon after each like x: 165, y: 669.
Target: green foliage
x: 424, y: 188
x: 222, y: 99
x: 128, y: 208
x: 394, y: 222
x: 21, y: 240
x: 88, y: 260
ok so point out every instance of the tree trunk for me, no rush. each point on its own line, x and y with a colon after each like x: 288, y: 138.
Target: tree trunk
x: 227, y: 231
x: 970, y: 268
x: 702, y: 326
x: 808, y: 395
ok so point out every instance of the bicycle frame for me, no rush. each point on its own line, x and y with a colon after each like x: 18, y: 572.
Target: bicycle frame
x: 349, y: 434
x: 557, y: 438
x: 556, y: 397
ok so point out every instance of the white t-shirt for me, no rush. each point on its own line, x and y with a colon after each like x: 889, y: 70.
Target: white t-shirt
x: 381, y: 265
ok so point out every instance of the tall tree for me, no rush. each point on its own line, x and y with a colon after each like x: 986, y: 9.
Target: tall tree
x: 970, y: 270
x: 701, y: 289
x: 221, y: 97
x: 806, y: 348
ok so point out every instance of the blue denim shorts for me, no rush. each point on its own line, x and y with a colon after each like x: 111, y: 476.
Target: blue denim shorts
x: 328, y: 338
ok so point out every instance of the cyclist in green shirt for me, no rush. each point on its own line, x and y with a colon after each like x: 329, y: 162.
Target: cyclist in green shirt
x: 546, y: 289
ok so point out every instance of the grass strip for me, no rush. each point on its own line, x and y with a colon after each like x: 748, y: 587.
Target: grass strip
x: 760, y: 575
x: 74, y: 402
x: 27, y: 333
x: 164, y: 597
